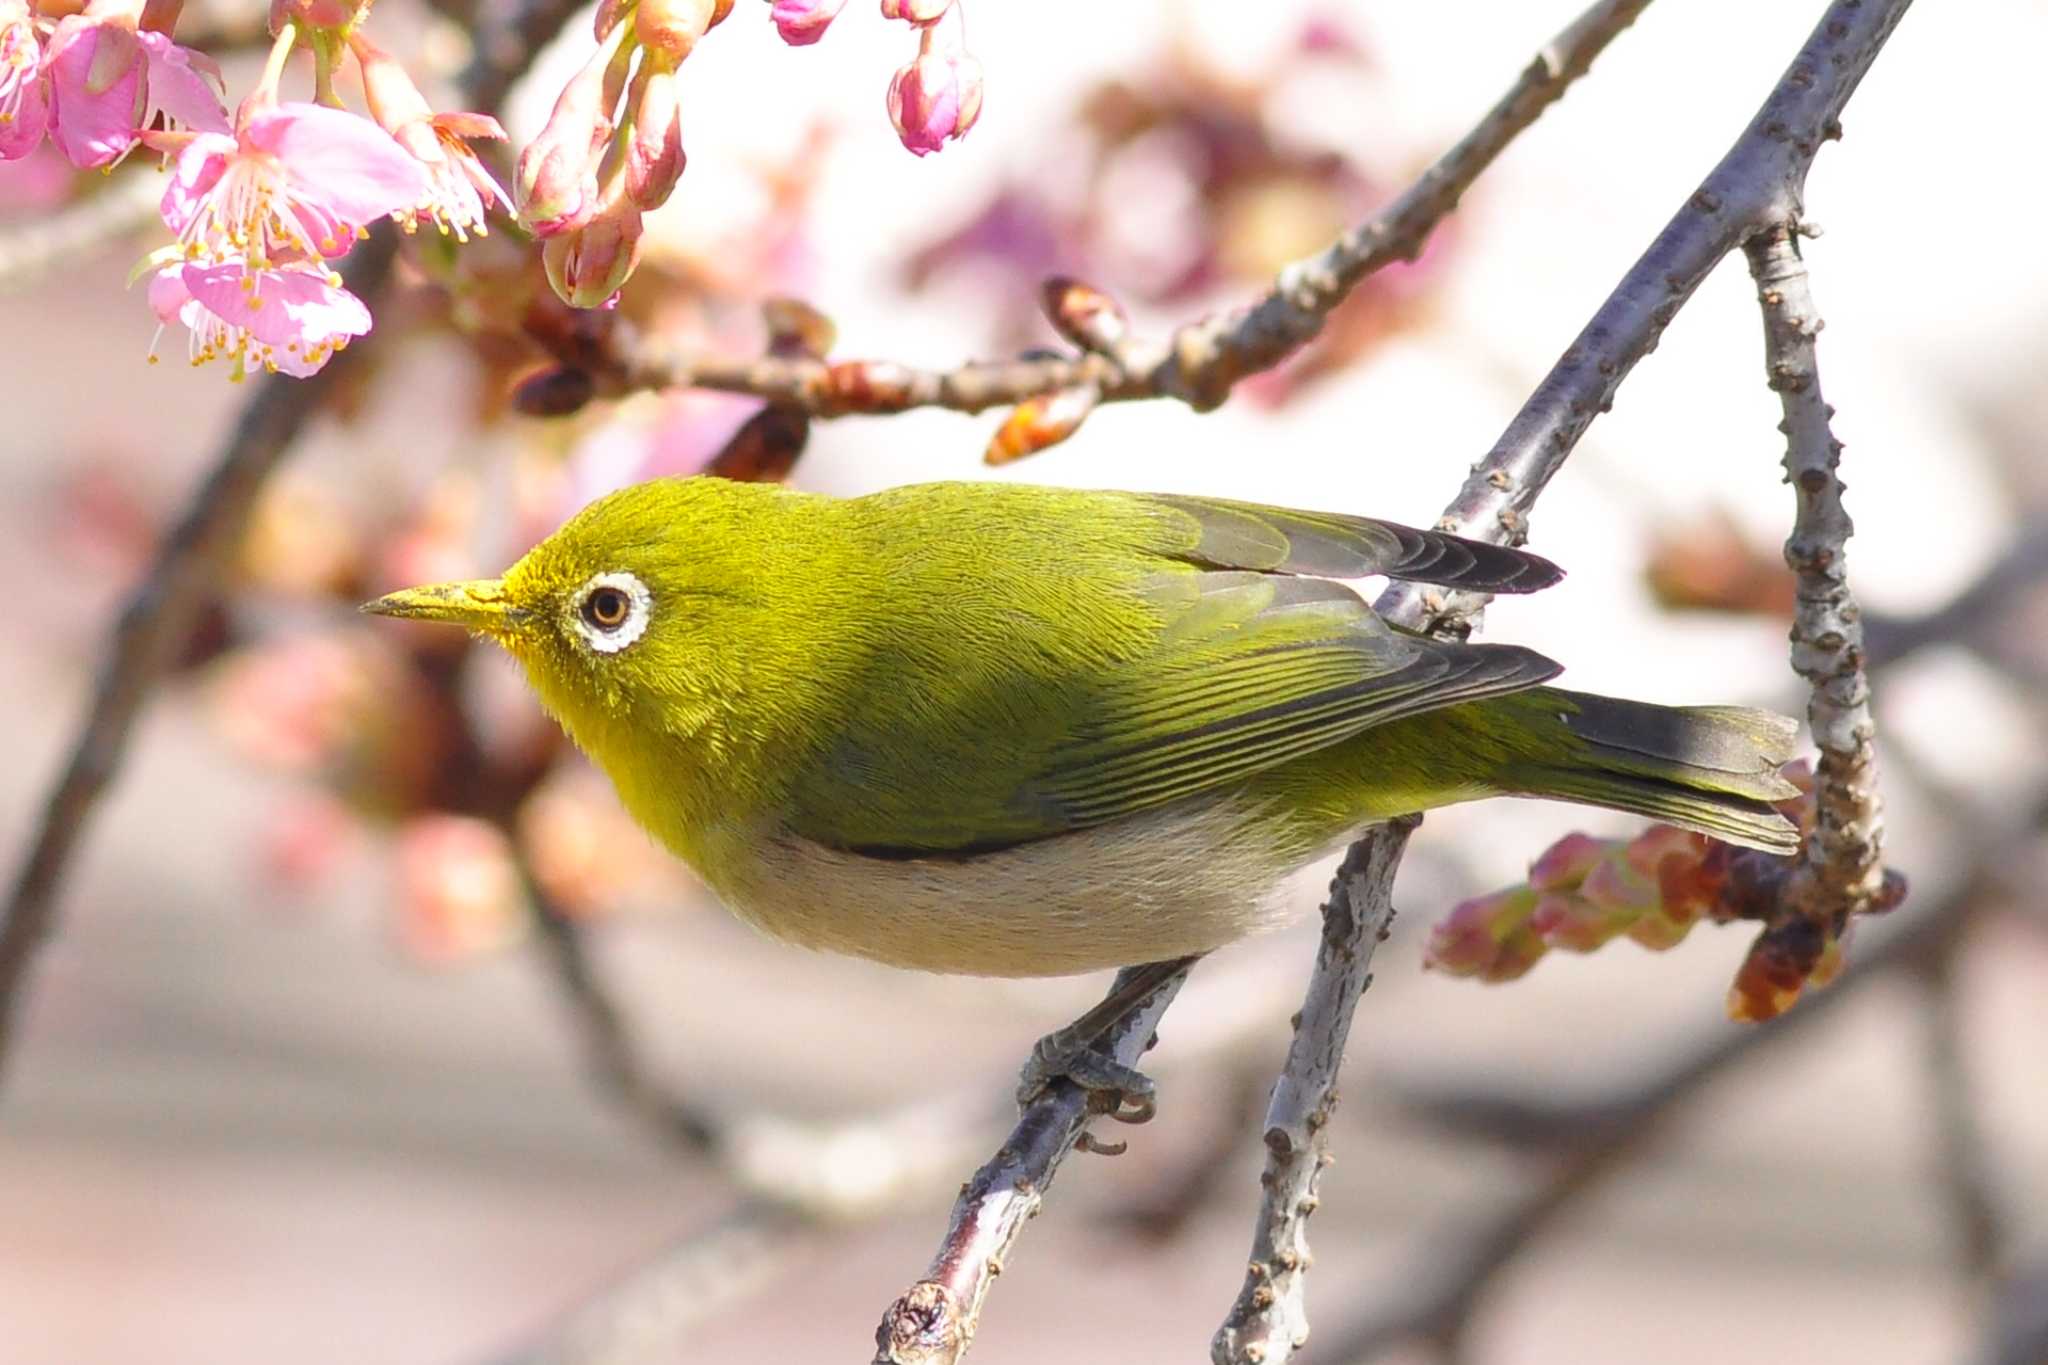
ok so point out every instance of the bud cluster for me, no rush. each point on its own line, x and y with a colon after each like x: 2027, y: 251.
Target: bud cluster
x: 612, y: 148
x: 933, y: 99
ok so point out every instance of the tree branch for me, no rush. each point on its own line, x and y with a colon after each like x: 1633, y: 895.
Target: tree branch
x: 1269, y: 1320
x: 933, y: 1321
x: 1596, y: 1137
x: 1843, y: 869
x: 1197, y: 365
x: 1756, y: 183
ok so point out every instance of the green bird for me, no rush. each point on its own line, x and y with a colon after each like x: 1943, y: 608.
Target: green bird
x: 1015, y: 731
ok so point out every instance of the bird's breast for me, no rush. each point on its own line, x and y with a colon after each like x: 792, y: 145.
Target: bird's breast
x: 1183, y: 879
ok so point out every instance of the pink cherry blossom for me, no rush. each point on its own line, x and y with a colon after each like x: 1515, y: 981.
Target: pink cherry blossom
x: 24, y: 92
x: 460, y: 191
x: 290, y: 319
x: 296, y: 182
x: 183, y: 86
x: 803, y: 22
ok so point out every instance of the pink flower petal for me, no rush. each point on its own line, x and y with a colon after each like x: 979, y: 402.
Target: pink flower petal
x: 24, y: 93
x: 297, y: 312
x: 458, y: 123
x: 346, y: 164
x: 179, y: 86
x: 197, y: 171
x: 168, y: 294
x: 95, y: 70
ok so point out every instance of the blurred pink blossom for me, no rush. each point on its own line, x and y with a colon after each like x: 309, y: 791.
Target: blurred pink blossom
x: 919, y: 12
x: 24, y: 91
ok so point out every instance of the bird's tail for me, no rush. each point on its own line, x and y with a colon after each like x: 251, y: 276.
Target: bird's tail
x: 1713, y: 769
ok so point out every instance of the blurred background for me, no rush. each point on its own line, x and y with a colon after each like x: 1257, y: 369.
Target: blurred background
x: 300, y: 1080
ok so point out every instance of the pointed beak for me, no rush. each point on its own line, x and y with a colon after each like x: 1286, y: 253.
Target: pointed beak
x: 477, y: 605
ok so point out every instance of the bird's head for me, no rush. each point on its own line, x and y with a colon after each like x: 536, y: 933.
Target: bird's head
x: 629, y: 619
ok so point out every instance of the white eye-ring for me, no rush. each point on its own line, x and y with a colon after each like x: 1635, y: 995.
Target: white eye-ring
x: 612, y: 610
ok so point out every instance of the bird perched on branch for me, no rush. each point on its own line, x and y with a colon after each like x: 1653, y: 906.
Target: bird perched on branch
x: 1016, y: 731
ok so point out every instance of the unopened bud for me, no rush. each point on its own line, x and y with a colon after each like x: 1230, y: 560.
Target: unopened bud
x: 588, y: 267
x: 387, y: 88
x: 609, y: 15
x: 936, y: 98
x: 654, y: 145
x: 330, y: 16
x: 868, y: 386
x: 1039, y: 423
x: 1084, y: 314
x: 919, y: 12
x: 671, y: 28
x: 797, y: 330
x: 803, y: 22
x: 765, y: 448
x: 1563, y: 865
x: 555, y: 185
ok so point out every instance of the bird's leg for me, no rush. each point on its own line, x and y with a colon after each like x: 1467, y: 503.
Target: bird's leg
x: 1122, y: 1092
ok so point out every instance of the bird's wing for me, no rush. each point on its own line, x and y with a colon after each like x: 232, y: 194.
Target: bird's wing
x: 1222, y: 534
x: 979, y: 731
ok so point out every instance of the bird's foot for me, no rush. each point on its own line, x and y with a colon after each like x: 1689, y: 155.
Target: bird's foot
x: 1124, y: 1093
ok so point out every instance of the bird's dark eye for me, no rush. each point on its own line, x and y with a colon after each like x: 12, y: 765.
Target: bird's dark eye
x: 607, y: 607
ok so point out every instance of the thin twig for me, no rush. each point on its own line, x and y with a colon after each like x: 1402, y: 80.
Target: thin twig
x: 1269, y: 1320
x: 933, y: 1321
x: 159, y: 615
x: 1843, y: 868
x: 1759, y: 182
x: 1202, y: 360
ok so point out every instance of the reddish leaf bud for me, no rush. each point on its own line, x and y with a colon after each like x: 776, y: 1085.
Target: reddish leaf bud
x: 1037, y: 423
x: 765, y: 448
x: 1084, y: 314
x: 797, y: 330
x: 869, y: 386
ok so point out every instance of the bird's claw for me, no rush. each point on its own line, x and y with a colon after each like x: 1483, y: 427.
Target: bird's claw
x: 1120, y: 1092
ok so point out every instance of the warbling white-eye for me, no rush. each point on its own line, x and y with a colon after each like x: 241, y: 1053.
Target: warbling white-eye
x: 1017, y: 731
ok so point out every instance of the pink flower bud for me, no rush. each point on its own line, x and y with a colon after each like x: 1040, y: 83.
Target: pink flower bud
x: 654, y: 148
x: 331, y: 16
x: 555, y: 184
x: 1485, y: 936
x: 671, y: 28
x: 1616, y: 889
x: 919, y: 12
x: 803, y: 22
x: 587, y: 267
x: 936, y: 98
x: 1576, y: 924
x: 1563, y: 865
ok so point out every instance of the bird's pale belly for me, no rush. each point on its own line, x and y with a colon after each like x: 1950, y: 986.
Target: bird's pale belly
x: 1183, y: 879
